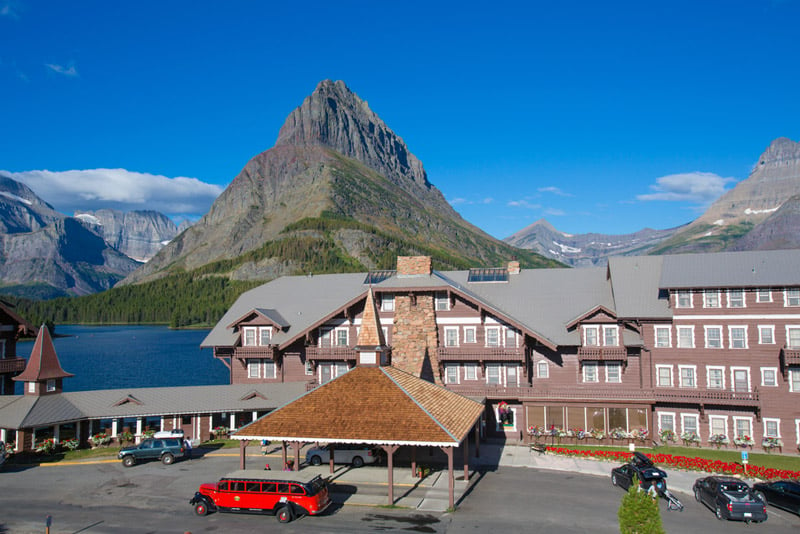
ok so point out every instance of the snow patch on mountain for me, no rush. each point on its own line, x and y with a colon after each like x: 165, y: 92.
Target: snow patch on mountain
x: 15, y: 197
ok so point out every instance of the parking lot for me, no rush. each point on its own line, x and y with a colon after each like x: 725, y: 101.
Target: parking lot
x: 504, y: 495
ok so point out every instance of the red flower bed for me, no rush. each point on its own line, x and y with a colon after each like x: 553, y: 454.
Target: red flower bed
x: 683, y: 462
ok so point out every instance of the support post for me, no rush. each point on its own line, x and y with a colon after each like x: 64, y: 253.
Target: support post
x: 242, y: 453
x: 465, y: 445
x: 331, y: 449
x: 296, y: 447
x: 477, y: 441
x: 283, y: 454
x: 390, y: 450
x: 450, y: 477
x: 414, y: 461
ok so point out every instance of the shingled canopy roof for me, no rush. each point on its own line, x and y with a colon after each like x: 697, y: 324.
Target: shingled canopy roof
x: 371, y: 405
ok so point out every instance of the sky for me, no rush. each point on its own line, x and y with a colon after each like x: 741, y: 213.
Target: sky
x: 601, y: 117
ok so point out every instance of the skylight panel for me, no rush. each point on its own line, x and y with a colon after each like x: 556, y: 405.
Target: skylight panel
x: 491, y: 274
x: 376, y: 277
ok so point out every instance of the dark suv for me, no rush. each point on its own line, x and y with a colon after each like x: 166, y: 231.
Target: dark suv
x: 164, y: 449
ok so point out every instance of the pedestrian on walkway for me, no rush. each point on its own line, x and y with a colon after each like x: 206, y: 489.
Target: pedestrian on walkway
x: 187, y: 444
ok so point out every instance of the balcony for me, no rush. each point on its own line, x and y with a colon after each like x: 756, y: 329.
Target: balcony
x: 565, y: 393
x: 790, y: 356
x: 331, y: 353
x: 12, y: 365
x: 480, y: 354
x: 594, y: 354
x: 254, y: 352
x: 708, y: 396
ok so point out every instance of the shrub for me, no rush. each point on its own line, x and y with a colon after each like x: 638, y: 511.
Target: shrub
x: 638, y: 513
x: 70, y: 444
x: 124, y: 437
x: 46, y: 446
x: 101, y: 438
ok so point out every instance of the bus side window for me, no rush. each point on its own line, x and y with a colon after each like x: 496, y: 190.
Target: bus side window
x: 269, y: 487
x: 222, y: 486
x: 283, y: 488
x: 253, y: 486
x: 298, y: 490
x: 237, y: 486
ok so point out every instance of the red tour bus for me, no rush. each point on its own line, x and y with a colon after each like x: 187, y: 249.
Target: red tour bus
x: 286, y: 494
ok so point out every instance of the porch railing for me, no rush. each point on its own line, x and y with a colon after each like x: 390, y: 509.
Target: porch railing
x: 12, y: 365
x: 485, y: 354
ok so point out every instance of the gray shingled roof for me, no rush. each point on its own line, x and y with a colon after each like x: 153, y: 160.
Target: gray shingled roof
x: 23, y: 411
x: 635, y: 284
x: 761, y: 268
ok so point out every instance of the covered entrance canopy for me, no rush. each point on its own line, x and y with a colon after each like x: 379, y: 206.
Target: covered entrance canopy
x: 376, y: 405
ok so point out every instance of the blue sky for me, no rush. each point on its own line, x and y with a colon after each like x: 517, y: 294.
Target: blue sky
x: 599, y: 116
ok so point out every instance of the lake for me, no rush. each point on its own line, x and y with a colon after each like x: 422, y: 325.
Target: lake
x: 114, y: 357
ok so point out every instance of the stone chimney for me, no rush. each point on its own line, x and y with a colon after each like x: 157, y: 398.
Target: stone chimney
x: 513, y: 267
x: 413, y: 265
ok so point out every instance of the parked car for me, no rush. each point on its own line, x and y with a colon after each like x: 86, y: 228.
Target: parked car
x: 780, y: 493
x: 285, y: 494
x: 641, y: 467
x: 174, y: 433
x: 730, y: 498
x: 165, y: 449
x: 355, y: 455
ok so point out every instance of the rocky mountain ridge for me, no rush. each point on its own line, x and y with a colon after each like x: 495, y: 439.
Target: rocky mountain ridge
x: 335, y: 162
x: 138, y: 234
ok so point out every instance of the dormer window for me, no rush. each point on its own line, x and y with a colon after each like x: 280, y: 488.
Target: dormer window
x: 590, y: 336
x: 736, y: 298
x: 387, y: 302
x: 249, y: 337
x: 254, y: 336
x: 610, y: 338
x: 265, y: 336
x: 683, y: 299
x: 442, y: 301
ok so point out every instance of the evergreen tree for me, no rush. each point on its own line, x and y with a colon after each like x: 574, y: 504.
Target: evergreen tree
x: 639, y: 513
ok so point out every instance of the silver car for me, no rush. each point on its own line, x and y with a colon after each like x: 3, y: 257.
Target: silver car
x: 355, y: 455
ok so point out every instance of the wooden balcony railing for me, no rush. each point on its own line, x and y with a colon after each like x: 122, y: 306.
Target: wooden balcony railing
x: 483, y: 354
x: 791, y: 355
x: 707, y: 396
x: 254, y: 352
x: 554, y: 393
x: 331, y: 353
x: 12, y: 365
x: 603, y: 354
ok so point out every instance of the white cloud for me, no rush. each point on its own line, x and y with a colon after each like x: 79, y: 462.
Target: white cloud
x: 555, y: 190
x: 523, y: 204
x: 554, y: 212
x: 694, y: 187
x: 457, y: 201
x: 69, y: 71
x: 9, y: 8
x: 92, y: 189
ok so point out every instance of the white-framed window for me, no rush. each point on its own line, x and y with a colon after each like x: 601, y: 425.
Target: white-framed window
x: 772, y: 427
x: 542, y: 370
x: 590, y: 372
x: 31, y: 387
x: 613, y: 372
x: 683, y: 299
x: 736, y: 298
x: 469, y: 334
x: 688, y: 375
x: 715, y: 377
x: 793, y: 336
x: 690, y: 423
x: 737, y: 336
x: 718, y: 424
x: 451, y: 373
x: 269, y: 369
x: 591, y: 336
x: 794, y: 380
x: 470, y: 371
x: 309, y: 368
x: 442, y: 301
x: 742, y: 426
x: 740, y: 379
x: 666, y: 421
x: 493, y: 374
x: 450, y: 336
x: 387, y: 302
x: 769, y: 376
x: 341, y: 337
x: 791, y: 297
x: 713, y: 337
x: 325, y: 337
x: 766, y: 334
x: 249, y: 339
x: 264, y: 335
x: 511, y: 338
x: 664, y: 376
x: 663, y: 337
x: 686, y: 337
x: 711, y: 299
x: 51, y: 385
x: 253, y: 368
x: 492, y: 336
x: 610, y: 336
x: 763, y: 295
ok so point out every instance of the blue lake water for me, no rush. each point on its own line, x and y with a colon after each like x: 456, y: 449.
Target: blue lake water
x: 114, y: 357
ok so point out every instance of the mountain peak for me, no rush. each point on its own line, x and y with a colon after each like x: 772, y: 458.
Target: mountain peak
x: 780, y: 149
x: 335, y: 117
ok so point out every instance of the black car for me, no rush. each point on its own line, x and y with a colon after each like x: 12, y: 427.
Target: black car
x: 780, y: 493
x: 166, y: 450
x: 730, y: 498
x: 644, y: 470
